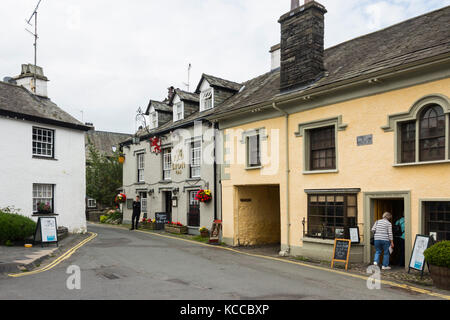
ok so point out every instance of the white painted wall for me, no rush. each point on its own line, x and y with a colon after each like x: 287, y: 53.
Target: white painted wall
x: 18, y: 172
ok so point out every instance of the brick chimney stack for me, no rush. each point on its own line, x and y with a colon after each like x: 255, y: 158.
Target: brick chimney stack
x: 302, y: 45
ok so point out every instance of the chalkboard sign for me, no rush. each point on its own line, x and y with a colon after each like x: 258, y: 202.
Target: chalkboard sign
x: 161, y: 217
x: 421, y: 244
x: 341, y: 252
x: 46, y: 231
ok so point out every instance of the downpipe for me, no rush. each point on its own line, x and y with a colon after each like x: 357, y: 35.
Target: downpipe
x: 287, y: 251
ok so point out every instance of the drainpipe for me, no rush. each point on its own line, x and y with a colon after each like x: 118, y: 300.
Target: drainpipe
x: 288, y: 223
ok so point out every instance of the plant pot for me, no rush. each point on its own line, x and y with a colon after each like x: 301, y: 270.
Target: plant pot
x: 175, y: 229
x: 204, y: 234
x: 440, y: 276
x: 149, y: 226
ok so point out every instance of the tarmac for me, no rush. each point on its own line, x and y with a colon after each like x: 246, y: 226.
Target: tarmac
x: 18, y: 258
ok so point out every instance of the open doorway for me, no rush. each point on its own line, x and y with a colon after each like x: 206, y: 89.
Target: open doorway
x: 167, y: 196
x: 258, y: 216
x: 397, y: 208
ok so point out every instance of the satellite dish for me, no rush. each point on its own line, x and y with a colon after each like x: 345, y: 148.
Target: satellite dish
x: 9, y: 80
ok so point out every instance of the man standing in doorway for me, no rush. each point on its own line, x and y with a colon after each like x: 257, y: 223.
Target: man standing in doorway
x: 136, y: 213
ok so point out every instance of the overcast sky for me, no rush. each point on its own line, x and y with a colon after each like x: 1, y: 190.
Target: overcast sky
x: 107, y: 58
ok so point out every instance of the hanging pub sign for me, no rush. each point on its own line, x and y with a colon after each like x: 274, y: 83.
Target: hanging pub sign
x: 417, y: 261
x: 46, y: 231
x: 341, y: 252
x: 215, y: 232
x: 155, y: 145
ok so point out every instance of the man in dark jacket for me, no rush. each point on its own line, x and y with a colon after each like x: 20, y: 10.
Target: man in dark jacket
x: 136, y: 213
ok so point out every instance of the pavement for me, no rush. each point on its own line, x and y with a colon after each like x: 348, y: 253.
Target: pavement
x: 19, y: 259
x: 122, y: 264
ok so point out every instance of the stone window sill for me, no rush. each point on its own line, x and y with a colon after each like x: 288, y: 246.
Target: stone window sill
x: 44, y: 158
x: 320, y: 172
x: 420, y: 163
x: 253, y: 168
x: 44, y: 214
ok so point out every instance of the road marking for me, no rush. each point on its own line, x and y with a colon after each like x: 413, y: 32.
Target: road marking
x: 58, y: 260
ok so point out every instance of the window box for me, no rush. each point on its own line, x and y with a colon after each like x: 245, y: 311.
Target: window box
x: 175, y: 229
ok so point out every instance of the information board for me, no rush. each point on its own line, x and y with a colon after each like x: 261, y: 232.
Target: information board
x: 46, y: 230
x: 421, y: 244
x: 354, y: 235
x: 341, y: 252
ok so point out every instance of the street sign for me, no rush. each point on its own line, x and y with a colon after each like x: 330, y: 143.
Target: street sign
x: 341, y: 252
x: 46, y: 230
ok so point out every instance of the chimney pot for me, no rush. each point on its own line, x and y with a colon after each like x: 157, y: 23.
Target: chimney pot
x: 295, y: 4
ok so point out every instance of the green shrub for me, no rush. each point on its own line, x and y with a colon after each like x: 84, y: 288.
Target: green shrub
x: 103, y: 219
x: 14, y: 227
x: 439, y: 254
x: 115, y: 215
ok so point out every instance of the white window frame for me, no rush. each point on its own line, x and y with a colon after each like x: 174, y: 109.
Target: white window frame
x: 141, y: 167
x: 196, y: 159
x: 43, y: 192
x: 178, y: 111
x: 92, y: 203
x: 144, y: 202
x: 43, y: 141
x: 205, y: 97
x: 167, y: 164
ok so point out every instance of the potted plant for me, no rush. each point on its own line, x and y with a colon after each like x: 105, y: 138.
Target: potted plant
x: 148, y: 224
x: 175, y: 227
x: 204, y: 196
x: 44, y: 208
x: 438, y: 258
x: 204, y: 232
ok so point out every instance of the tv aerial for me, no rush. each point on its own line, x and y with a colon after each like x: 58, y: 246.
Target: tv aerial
x: 36, y: 37
x: 189, y: 78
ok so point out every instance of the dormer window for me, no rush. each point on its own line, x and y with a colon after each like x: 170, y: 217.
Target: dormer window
x: 206, y: 100
x: 154, y: 120
x: 178, y: 111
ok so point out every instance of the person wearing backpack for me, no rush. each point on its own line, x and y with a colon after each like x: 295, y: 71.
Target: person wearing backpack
x: 384, y: 240
x: 399, y: 232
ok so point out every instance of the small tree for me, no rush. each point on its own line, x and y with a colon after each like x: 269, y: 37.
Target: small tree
x: 103, y: 175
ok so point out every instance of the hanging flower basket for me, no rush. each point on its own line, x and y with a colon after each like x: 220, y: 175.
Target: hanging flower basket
x: 120, y: 198
x: 204, y: 196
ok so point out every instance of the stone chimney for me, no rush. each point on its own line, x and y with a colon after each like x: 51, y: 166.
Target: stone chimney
x: 27, y: 79
x: 171, y: 92
x: 302, y: 45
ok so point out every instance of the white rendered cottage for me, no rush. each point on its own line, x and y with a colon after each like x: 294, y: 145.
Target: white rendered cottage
x: 43, y: 152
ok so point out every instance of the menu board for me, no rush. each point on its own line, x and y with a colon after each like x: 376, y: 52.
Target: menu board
x: 46, y: 230
x: 341, y: 252
x: 417, y: 258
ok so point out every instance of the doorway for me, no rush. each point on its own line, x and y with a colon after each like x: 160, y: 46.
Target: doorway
x: 144, y: 204
x: 168, y: 204
x: 397, y: 208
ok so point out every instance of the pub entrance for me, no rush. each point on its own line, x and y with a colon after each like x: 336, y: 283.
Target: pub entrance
x: 397, y: 208
x: 167, y: 196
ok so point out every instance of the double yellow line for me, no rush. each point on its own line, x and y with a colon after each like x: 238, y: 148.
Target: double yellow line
x: 57, y: 261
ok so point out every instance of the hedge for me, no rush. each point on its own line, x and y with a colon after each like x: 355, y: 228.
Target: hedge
x: 439, y: 254
x: 14, y: 227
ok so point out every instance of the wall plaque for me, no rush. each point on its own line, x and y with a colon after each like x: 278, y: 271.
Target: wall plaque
x: 365, y: 140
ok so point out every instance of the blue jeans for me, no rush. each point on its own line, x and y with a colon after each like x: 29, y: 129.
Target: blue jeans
x: 382, y: 245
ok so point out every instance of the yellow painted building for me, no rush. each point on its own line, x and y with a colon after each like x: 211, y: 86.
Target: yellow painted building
x: 314, y: 149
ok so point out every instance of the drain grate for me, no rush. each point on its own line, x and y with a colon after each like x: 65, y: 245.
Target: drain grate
x: 110, y: 276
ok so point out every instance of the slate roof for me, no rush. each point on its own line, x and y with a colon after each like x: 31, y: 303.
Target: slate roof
x: 187, y: 96
x: 405, y: 43
x: 104, y: 141
x: 162, y: 106
x: 16, y: 101
x: 219, y: 83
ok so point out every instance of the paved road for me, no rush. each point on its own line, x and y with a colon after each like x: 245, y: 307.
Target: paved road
x: 121, y: 264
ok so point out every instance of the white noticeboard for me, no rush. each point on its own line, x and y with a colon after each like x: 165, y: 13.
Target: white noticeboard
x: 418, y: 259
x: 47, y: 230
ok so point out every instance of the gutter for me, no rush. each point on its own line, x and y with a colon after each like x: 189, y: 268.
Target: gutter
x: 286, y: 252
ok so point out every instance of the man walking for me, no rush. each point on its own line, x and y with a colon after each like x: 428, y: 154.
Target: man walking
x: 136, y: 213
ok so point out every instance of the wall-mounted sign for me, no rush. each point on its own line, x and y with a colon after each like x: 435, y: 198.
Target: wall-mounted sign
x: 354, y: 235
x: 178, y: 163
x: 341, y: 252
x: 365, y: 140
x: 46, y: 231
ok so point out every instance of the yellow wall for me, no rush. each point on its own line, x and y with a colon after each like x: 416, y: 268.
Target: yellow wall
x: 368, y: 167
